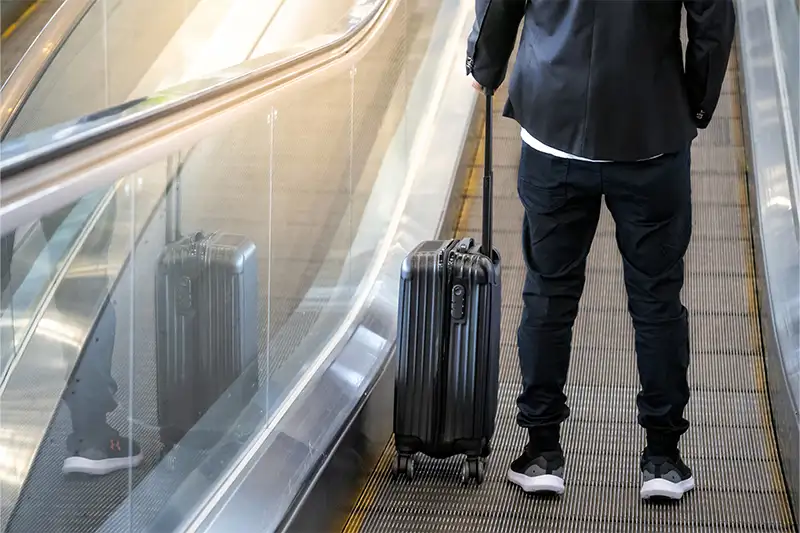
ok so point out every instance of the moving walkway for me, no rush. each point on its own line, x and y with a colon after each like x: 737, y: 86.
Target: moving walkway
x: 332, y: 161
x: 731, y: 446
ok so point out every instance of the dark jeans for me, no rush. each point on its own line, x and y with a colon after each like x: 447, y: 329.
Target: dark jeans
x: 651, y: 205
x: 90, y: 393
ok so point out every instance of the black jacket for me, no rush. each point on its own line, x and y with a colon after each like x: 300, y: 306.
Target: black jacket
x: 605, y: 79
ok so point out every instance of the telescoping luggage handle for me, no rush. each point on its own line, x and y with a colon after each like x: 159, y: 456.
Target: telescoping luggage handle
x: 173, y: 202
x: 488, y: 178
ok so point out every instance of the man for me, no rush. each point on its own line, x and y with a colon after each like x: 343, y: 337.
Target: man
x: 607, y: 109
x: 94, y: 447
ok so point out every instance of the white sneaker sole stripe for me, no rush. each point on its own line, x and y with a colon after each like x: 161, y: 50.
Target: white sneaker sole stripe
x: 81, y: 465
x: 661, y: 488
x: 543, y: 483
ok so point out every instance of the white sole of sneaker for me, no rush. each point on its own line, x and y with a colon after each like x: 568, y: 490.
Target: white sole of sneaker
x: 661, y: 488
x: 544, y: 483
x: 81, y: 465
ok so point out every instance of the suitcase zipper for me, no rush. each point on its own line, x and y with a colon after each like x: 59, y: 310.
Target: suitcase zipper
x: 440, y: 396
x: 451, y: 309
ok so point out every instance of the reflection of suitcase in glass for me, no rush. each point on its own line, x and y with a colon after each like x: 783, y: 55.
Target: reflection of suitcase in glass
x: 207, y: 328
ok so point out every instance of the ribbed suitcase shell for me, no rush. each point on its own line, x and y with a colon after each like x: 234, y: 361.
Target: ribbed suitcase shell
x: 207, y: 327
x: 447, y: 369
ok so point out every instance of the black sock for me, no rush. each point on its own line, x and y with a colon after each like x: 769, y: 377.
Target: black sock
x: 544, y: 439
x: 664, y: 444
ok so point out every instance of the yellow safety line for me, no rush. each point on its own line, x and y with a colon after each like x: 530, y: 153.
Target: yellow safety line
x: 370, y: 492
x: 28, y: 12
x: 473, y: 184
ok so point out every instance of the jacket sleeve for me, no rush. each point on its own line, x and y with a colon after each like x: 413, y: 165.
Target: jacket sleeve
x: 492, y: 40
x: 710, y: 25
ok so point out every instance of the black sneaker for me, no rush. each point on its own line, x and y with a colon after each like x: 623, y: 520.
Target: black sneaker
x: 665, y: 476
x: 542, y: 472
x: 117, y: 453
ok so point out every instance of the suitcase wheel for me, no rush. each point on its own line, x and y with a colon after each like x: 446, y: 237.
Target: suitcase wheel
x: 403, y: 465
x: 473, y: 468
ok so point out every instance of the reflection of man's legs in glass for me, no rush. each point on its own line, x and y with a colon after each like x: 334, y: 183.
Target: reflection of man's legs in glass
x: 94, y: 446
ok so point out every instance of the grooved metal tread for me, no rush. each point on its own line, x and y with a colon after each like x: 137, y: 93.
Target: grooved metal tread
x: 730, y: 445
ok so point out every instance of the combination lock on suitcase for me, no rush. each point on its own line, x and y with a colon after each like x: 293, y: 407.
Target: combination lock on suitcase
x: 449, y: 345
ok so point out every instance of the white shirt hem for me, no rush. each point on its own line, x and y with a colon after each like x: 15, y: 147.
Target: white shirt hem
x: 537, y: 145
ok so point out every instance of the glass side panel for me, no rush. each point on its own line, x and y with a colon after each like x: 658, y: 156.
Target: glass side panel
x: 198, y: 291
x: 787, y: 16
x: 782, y: 212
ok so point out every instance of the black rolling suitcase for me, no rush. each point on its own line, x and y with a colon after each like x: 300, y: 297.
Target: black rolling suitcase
x: 207, y: 325
x: 449, y: 345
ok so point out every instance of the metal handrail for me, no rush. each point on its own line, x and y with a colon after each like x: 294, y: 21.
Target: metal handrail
x: 40, y: 54
x: 74, y: 158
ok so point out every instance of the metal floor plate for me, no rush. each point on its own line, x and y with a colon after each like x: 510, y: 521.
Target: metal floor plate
x: 730, y: 445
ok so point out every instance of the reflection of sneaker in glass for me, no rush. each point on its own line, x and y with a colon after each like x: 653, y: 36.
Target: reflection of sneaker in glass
x: 540, y: 472
x: 99, y: 459
x: 665, y: 476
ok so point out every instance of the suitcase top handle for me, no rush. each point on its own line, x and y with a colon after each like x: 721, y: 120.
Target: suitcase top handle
x: 464, y: 245
x: 488, y: 178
